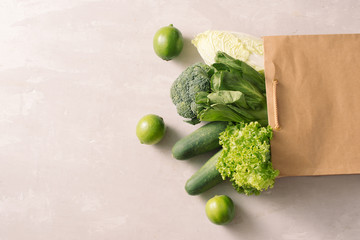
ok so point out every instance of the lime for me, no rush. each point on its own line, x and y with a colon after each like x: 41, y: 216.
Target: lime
x: 220, y: 209
x: 150, y: 129
x: 168, y: 42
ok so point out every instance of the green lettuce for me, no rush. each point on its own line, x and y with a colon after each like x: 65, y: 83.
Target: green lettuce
x: 245, y: 158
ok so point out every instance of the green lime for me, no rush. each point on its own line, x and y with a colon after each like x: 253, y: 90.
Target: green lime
x: 150, y: 129
x: 220, y: 209
x: 168, y: 42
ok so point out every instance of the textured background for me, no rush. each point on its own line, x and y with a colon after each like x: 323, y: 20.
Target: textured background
x: 77, y: 75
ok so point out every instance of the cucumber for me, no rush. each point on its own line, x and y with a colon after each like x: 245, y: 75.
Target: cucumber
x: 202, y: 140
x: 205, y: 178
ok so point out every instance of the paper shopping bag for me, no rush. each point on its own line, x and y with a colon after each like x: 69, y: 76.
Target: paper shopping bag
x: 313, y: 97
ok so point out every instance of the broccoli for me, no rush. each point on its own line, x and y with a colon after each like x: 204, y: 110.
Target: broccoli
x: 195, y: 79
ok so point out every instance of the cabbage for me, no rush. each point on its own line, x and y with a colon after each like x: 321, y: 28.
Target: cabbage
x: 240, y: 46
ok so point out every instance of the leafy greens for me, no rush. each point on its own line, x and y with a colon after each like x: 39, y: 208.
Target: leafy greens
x: 245, y: 158
x: 237, y: 93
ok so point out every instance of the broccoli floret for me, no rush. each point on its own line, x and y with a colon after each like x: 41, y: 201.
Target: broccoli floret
x: 194, y: 79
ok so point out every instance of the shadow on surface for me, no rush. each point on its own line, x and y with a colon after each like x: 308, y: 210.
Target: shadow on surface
x: 170, y: 138
x: 299, y: 202
x: 189, y: 55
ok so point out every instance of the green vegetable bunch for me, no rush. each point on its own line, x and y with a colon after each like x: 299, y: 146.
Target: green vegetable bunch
x: 193, y: 80
x: 234, y: 93
x: 245, y: 158
x: 237, y: 93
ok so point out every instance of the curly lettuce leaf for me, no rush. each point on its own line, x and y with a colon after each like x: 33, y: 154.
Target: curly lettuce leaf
x: 245, y: 159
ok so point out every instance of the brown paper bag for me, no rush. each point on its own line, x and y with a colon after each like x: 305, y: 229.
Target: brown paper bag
x: 316, y: 103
